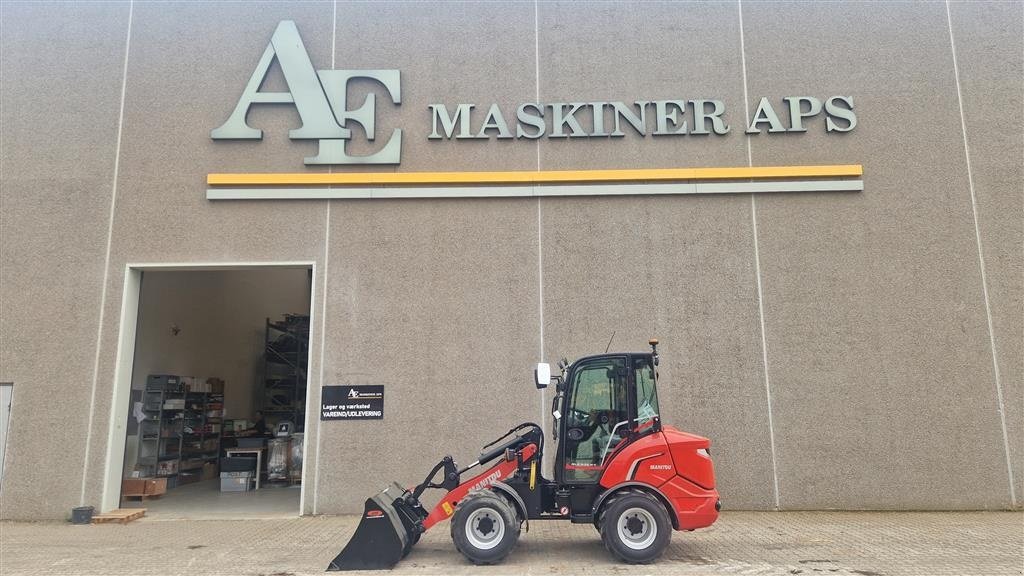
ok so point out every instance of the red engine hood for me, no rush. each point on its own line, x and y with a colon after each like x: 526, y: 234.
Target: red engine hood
x: 676, y: 436
x: 695, y: 467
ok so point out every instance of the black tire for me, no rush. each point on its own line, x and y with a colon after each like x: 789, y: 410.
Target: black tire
x: 645, y: 526
x: 485, y: 527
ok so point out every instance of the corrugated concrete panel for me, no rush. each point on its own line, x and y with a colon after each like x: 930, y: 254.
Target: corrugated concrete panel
x: 437, y: 301
x: 688, y: 280
x: 61, y: 88
x: 680, y: 269
x: 877, y: 342
x: 187, y: 66
x: 172, y: 104
x: 989, y: 41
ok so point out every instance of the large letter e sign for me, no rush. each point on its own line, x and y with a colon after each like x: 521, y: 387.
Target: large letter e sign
x: 320, y: 98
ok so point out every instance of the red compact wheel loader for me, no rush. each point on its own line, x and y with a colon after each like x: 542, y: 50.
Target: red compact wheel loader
x: 616, y: 467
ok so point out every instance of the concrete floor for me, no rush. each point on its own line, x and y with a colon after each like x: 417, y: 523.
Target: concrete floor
x: 204, y: 501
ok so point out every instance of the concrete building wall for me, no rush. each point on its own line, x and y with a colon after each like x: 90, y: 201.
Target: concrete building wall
x: 837, y: 348
x: 60, y: 84
x: 991, y: 66
x: 874, y: 307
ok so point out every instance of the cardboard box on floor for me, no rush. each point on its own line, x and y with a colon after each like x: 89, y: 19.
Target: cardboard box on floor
x: 209, y: 471
x: 143, y: 486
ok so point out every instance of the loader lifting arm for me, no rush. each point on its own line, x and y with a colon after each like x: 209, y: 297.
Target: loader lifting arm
x: 499, y: 471
x: 394, y: 519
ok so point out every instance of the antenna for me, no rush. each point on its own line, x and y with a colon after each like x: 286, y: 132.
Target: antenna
x: 609, y: 346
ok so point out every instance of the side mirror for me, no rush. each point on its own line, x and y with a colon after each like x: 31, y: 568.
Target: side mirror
x: 542, y: 375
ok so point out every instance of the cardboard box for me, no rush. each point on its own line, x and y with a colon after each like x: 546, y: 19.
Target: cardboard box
x: 143, y: 486
x: 156, y: 486
x: 133, y: 487
x: 209, y: 471
x: 166, y: 467
x: 216, y: 385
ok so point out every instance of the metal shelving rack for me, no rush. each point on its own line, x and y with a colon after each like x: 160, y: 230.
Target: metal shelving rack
x: 285, y: 366
x: 160, y: 432
x: 200, y: 445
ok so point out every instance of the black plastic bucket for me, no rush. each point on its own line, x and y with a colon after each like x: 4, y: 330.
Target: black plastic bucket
x: 82, y: 515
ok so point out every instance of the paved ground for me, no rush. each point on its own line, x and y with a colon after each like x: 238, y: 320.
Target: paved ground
x: 803, y: 543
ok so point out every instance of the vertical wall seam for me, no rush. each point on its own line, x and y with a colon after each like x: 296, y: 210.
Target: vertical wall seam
x: 323, y: 295
x: 323, y: 346
x: 540, y: 236
x: 1, y: 139
x: 757, y: 269
x: 536, y: 64
x: 981, y: 262
x: 106, y: 258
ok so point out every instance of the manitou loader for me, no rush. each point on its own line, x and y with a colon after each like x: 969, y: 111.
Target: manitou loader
x: 616, y: 467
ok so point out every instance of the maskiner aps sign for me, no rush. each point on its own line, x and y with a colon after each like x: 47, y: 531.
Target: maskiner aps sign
x: 326, y: 115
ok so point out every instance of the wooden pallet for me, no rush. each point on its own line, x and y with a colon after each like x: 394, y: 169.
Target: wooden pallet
x: 121, y: 516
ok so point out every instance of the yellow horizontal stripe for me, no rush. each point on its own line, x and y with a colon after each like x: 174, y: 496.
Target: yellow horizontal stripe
x: 535, y: 177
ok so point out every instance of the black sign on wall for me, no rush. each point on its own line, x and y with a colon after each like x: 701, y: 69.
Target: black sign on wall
x: 352, y: 402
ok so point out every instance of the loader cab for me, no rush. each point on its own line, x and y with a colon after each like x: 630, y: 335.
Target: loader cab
x: 606, y: 402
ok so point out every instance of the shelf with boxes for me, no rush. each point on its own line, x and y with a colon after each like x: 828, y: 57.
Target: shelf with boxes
x: 159, y: 447
x: 201, y: 431
x: 284, y: 380
x: 179, y: 435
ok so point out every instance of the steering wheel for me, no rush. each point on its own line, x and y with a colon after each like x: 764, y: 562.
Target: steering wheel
x: 577, y: 418
x: 599, y: 418
x: 582, y: 424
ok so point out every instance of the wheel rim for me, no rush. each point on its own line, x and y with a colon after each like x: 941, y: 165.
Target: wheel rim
x: 485, y: 528
x: 637, y: 528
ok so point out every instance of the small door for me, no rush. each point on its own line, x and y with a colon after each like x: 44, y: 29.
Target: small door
x: 596, y: 418
x: 6, y: 391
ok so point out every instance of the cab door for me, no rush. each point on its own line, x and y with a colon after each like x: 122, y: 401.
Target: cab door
x: 596, y: 418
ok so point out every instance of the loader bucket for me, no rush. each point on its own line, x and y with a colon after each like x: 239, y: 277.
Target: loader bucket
x: 380, y: 540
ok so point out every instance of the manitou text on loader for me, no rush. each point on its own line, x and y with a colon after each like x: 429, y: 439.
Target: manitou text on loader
x: 616, y: 467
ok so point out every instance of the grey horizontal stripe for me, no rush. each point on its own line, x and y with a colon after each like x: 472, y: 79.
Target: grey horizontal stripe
x: 354, y: 193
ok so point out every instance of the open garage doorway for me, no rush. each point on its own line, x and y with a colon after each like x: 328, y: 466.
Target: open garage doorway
x: 214, y: 409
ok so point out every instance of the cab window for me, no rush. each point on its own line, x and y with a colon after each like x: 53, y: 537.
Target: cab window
x: 646, y: 392
x: 597, y: 407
